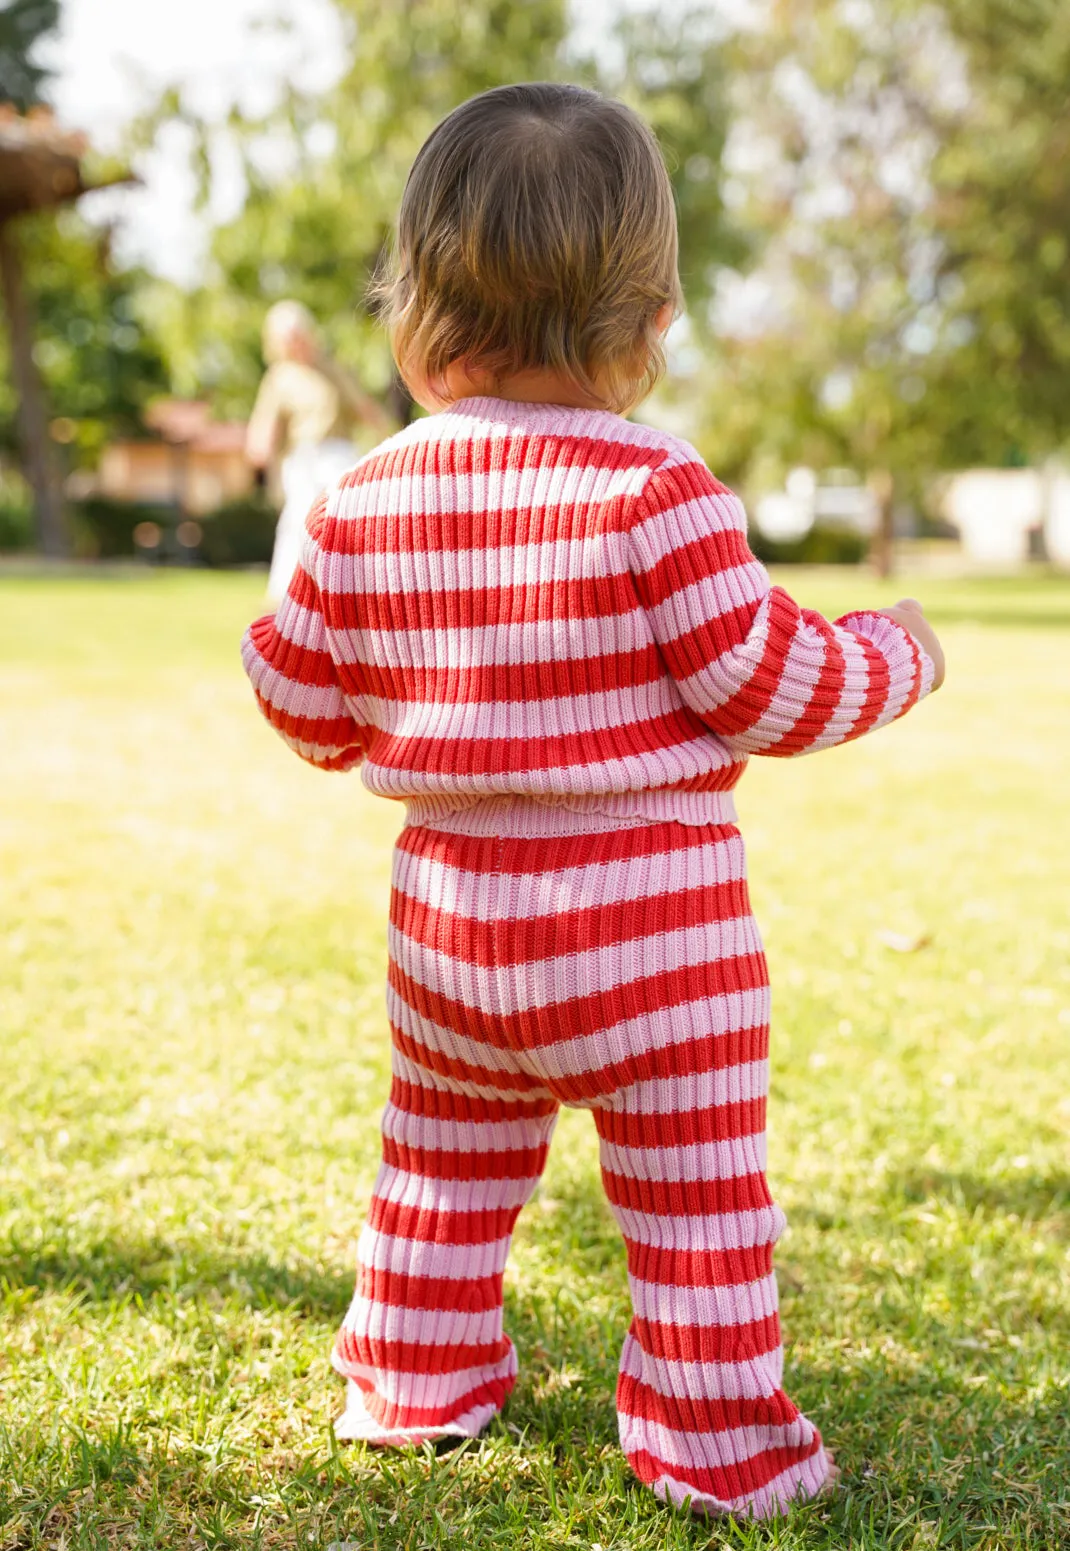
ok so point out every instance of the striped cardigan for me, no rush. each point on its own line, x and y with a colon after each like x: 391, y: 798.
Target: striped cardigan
x: 532, y: 604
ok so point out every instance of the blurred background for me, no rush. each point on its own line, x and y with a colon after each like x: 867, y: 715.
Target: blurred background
x: 873, y: 198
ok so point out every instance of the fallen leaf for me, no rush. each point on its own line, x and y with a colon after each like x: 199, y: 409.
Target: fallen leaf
x: 900, y: 942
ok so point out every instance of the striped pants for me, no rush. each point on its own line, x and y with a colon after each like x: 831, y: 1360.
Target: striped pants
x: 621, y: 972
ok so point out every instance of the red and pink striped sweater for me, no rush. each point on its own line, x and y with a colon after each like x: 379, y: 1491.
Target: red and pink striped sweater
x: 539, y: 605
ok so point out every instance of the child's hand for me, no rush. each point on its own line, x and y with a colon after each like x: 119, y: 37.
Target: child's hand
x: 908, y: 613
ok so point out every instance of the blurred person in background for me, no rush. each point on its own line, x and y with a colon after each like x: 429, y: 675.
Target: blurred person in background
x: 306, y: 421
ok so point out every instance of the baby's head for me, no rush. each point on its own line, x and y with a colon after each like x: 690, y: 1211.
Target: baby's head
x: 537, y: 232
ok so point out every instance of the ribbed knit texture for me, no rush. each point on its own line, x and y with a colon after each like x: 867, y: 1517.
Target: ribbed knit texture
x: 543, y: 629
x: 622, y: 972
x: 514, y: 599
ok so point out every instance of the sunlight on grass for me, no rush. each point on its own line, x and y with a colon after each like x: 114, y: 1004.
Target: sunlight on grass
x: 193, y: 939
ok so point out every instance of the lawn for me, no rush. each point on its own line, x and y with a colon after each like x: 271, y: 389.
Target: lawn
x: 195, y: 1054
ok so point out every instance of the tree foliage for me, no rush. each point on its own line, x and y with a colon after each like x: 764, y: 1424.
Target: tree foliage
x: 319, y: 232
x: 887, y: 180
x: 94, y: 348
x: 95, y: 354
x: 675, y: 73
x: 23, y: 24
x: 97, y: 357
x: 908, y: 177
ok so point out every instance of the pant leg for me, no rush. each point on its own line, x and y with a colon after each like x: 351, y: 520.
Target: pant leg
x: 641, y: 990
x: 422, y: 1344
x: 300, y: 487
x: 702, y: 1412
x: 465, y: 1139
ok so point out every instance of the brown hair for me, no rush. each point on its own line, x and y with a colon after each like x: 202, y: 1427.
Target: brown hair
x: 537, y: 229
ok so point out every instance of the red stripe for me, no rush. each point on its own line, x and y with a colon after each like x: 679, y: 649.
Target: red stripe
x: 390, y: 1415
x: 509, y: 683
x: 418, y: 1357
x: 683, y: 1128
x: 303, y: 590
x: 643, y: 998
x: 512, y: 855
x: 729, y: 1481
x: 699, y: 1267
x: 697, y: 1414
x: 507, y: 448
x: 425, y: 1225
x: 528, y: 753
x: 693, y: 1198
x: 432, y: 1163
x: 585, y: 597
x: 708, y: 1343
x: 461, y: 1295
x: 443, y: 1104
x: 535, y: 938
x: 442, y: 530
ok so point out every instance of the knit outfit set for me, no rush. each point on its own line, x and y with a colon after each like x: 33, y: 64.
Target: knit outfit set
x: 543, y: 630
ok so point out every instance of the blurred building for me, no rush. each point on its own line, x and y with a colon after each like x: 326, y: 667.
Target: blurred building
x: 192, y: 463
x: 1008, y: 516
x: 836, y: 499
x: 1004, y: 517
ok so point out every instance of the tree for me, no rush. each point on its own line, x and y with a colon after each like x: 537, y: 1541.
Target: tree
x: 674, y: 72
x: 907, y: 175
x: 1001, y: 216
x: 97, y: 357
x: 74, y: 323
x: 319, y: 232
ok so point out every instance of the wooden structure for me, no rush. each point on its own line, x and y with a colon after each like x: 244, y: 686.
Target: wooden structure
x: 40, y: 168
x: 193, y: 463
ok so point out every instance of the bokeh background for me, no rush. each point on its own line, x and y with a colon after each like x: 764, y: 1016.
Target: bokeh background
x: 874, y: 201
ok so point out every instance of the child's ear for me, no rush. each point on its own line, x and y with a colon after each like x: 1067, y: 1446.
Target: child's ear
x: 663, y: 317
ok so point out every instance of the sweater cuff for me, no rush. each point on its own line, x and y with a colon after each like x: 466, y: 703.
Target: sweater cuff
x: 924, y: 669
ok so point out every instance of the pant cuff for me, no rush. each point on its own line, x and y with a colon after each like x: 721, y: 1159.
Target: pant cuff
x: 357, y: 1425
x: 793, y: 1487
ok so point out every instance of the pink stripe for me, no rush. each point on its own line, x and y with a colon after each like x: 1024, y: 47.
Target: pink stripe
x: 413, y: 1257
x: 704, y: 1307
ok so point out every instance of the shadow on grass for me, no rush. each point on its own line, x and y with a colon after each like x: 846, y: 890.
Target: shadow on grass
x: 1033, y: 1198
x: 940, y: 1446
x: 151, y: 1268
x: 926, y: 1462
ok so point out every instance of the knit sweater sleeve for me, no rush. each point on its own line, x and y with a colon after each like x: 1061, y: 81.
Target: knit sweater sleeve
x: 765, y: 675
x: 287, y: 657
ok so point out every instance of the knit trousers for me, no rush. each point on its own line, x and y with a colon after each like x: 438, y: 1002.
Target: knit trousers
x: 620, y: 972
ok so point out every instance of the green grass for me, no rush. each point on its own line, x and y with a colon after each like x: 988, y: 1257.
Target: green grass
x: 192, y: 952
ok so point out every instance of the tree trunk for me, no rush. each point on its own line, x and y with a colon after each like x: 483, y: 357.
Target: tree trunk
x: 881, y: 545
x: 32, y: 414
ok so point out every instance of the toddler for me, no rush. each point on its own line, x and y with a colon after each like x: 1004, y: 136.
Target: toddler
x: 539, y: 625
